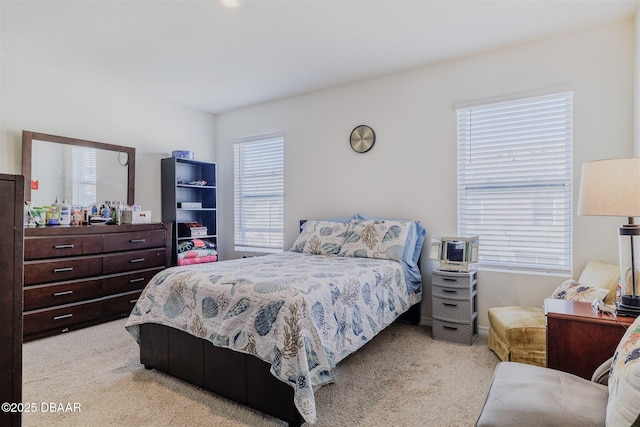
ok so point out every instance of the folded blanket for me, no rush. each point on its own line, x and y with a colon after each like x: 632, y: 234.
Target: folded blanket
x: 198, y: 260
x: 194, y: 253
x: 188, y: 245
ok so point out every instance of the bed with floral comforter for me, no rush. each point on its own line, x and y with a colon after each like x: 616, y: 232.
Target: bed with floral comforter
x: 299, y: 311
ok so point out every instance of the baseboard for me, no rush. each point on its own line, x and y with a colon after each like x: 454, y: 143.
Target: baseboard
x: 426, y: 321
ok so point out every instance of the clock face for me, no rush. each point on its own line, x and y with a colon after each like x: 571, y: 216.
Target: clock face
x: 362, y: 139
x: 123, y: 159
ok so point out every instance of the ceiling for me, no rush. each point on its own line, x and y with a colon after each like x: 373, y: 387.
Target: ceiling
x: 215, y: 59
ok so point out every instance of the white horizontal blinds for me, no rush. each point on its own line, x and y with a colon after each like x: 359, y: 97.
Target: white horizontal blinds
x: 259, y: 194
x: 514, y: 181
x: 84, y: 176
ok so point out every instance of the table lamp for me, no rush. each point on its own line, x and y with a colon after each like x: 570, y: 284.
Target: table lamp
x: 612, y: 188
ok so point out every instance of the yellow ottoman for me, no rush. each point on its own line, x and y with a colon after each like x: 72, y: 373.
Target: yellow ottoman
x: 518, y: 334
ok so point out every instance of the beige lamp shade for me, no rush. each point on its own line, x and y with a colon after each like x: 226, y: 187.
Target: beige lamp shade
x: 610, y: 187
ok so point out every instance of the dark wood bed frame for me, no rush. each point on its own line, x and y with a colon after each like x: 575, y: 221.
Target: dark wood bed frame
x: 237, y: 376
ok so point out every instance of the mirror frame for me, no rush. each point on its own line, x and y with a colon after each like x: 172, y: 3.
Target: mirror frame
x: 28, y: 137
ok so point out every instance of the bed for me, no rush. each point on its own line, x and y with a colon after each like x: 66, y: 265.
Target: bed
x: 267, y: 331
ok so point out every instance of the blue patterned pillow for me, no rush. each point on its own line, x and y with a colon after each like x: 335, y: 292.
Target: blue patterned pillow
x: 376, y: 239
x: 320, y: 237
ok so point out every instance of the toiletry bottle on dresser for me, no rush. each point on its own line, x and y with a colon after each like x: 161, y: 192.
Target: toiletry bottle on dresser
x: 53, y: 213
x: 65, y: 212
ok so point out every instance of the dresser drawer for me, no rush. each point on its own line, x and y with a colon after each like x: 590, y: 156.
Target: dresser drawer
x: 134, y: 241
x: 128, y: 282
x: 453, y: 309
x: 120, y: 305
x: 40, y: 296
x: 454, y: 280
x: 136, y: 260
x: 58, y: 247
x: 62, y: 316
x: 36, y: 272
x: 452, y: 291
x: 461, y: 333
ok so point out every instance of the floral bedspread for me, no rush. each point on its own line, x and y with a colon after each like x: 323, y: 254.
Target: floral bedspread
x: 301, y: 313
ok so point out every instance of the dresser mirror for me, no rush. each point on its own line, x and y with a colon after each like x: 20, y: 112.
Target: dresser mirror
x: 84, y: 172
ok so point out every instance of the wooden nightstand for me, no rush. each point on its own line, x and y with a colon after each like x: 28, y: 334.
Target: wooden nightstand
x: 579, y: 338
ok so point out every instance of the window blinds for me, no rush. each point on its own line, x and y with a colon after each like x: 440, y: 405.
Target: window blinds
x: 84, y: 167
x: 259, y: 194
x: 514, y: 181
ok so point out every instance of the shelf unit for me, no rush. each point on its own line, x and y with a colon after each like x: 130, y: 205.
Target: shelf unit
x: 180, y: 184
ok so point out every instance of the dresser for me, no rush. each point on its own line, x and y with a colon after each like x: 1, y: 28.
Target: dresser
x: 580, y: 338
x: 455, y: 309
x: 11, y: 229
x: 77, y: 276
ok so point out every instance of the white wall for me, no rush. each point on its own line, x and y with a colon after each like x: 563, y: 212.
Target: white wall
x: 41, y: 99
x: 411, y: 171
x: 636, y: 85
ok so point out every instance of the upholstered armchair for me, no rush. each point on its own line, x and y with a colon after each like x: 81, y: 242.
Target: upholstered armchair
x: 527, y: 396
x: 519, y: 333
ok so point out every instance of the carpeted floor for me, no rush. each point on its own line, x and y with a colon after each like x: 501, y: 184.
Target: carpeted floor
x: 401, y: 378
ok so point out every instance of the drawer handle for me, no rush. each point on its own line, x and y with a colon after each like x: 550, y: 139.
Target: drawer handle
x: 62, y: 270
x: 451, y: 328
x: 448, y: 304
x: 137, y: 279
x: 137, y: 240
x: 69, y: 246
x: 62, y: 293
x: 449, y: 279
x: 133, y: 301
x: 137, y: 260
x: 64, y: 316
x: 450, y: 291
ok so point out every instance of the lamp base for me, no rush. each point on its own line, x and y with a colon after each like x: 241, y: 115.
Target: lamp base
x: 631, y: 300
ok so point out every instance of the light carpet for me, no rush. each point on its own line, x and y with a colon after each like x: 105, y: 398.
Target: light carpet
x: 401, y: 378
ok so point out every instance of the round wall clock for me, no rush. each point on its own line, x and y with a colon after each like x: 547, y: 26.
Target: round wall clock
x: 362, y: 139
x: 123, y: 158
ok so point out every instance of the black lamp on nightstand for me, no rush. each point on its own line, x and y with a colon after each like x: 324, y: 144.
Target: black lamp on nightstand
x: 612, y: 188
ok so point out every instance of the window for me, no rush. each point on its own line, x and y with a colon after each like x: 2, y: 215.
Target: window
x: 84, y: 176
x: 259, y: 194
x: 514, y: 181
